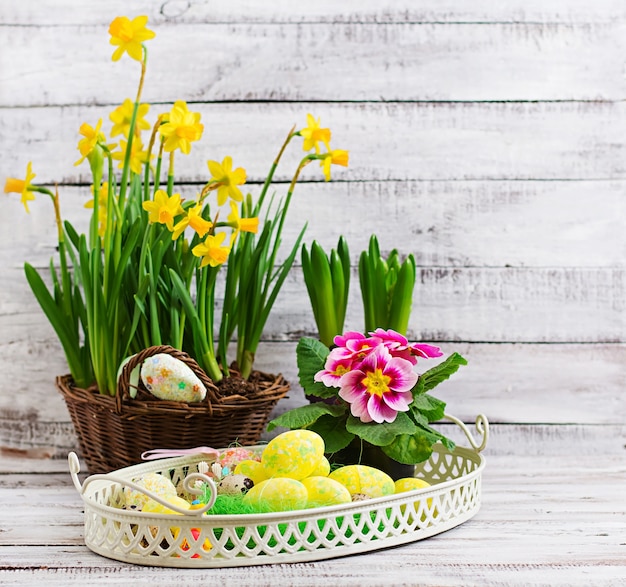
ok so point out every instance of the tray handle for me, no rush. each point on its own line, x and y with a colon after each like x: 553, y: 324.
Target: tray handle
x: 188, y: 484
x: 482, y: 427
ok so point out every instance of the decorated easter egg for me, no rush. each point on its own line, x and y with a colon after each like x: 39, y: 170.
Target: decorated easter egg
x: 322, y: 469
x: 364, y: 479
x: 409, y: 484
x: 230, y: 457
x: 170, y: 379
x: 294, y: 454
x: 324, y: 491
x: 153, y: 482
x: 154, y: 507
x: 234, y: 485
x: 280, y: 494
x: 251, y: 469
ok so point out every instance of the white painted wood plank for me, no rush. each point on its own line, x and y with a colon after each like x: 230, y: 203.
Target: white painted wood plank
x: 577, y: 386
x: 399, y: 141
x: 555, y: 520
x: 74, y: 12
x: 458, y: 304
x: 449, y: 223
x: 317, y: 62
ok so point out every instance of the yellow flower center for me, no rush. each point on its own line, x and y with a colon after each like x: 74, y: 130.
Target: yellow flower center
x: 377, y: 383
x: 340, y: 370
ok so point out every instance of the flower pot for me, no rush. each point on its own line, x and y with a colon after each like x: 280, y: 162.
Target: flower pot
x: 113, y: 432
x: 359, y: 452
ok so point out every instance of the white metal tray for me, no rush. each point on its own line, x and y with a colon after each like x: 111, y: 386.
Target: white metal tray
x: 193, y: 540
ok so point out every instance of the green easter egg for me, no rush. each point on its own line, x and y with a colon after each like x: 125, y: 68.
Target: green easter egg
x: 294, y: 454
x: 361, y: 479
x: 324, y: 491
x: 277, y: 495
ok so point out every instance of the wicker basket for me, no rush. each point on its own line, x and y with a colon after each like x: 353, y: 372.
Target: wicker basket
x: 113, y: 432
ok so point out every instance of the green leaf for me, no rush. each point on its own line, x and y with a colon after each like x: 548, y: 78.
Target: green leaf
x: 333, y: 431
x: 447, y: 442
x: 441, y: 372
x: 411, y: 449
x: 304, y: 416
x: 311, y: 355
x: 381, y: 434
x: 430, y: 407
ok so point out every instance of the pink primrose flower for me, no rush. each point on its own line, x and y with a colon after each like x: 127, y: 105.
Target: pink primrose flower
x: 338, y: 363
x: 380, y: 387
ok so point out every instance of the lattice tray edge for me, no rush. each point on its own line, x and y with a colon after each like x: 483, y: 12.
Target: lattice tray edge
x: 196, y: 541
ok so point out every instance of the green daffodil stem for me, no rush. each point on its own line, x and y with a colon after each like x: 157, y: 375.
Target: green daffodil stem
x: 270, y: 175
x: 131, y: 132
x: 170, y: 175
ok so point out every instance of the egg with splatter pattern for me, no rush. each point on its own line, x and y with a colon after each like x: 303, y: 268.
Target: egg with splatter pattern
x: 294, y: 454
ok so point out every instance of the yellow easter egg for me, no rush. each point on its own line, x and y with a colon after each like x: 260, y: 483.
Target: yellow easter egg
x: 252, y: 469
x: 361, y: 479
x: 154, y: 507
x: 409, y: 484
x: 322, y: 469
x: 279, y: 494
x: 324, y: 491
x: 294, y: 454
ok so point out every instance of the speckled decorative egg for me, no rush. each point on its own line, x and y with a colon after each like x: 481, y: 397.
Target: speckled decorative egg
x: 324, y: 491
x: 294, y: 454
x: 277, y: 495
x: 154, y: 507
x: 252, y: 469
x: 322, y: 469
x: 153, y: 482
x: 234, y: 485
x: 409, y: 484
x: 363, y: 479
x: 230, y: 457
x: 170, y: 379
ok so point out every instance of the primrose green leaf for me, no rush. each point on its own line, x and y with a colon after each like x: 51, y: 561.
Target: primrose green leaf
x: 441, y: 372
x: 411, y: 449
x: 428, y: 406
x: 311, y: 355
x: 304, y: 416
x: 333, y: 431
x: 381, y: 434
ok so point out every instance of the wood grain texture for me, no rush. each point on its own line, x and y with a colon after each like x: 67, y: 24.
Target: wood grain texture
x: 443, y: 223
x: 319, y: 62
x: 535, y: 527
x: 394, y: 141
x: 520, y: 386
x: 64, y: 12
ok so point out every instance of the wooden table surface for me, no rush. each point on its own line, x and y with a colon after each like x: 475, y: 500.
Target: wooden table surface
x: 550, y: 516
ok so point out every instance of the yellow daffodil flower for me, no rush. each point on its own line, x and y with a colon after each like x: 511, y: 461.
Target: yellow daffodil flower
x: 103, y: 200
x: 91, y: 137
x: 212, y: 251
x: 225, y: 180
x: 21, y: 186
x: 181, y: 129
x: 242, y: 224
x: 128, y: 35
x: 137, y: 155
x: 194, y: 219
x: 122, y: 115
x: 163, y: 208
x: 313, y: 135
x: 335, y: 157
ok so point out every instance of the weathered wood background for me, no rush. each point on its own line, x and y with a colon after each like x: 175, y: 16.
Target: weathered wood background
x: 486, y: 138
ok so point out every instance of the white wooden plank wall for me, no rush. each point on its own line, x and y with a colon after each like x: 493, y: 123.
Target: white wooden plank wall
x: 486, y: 138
